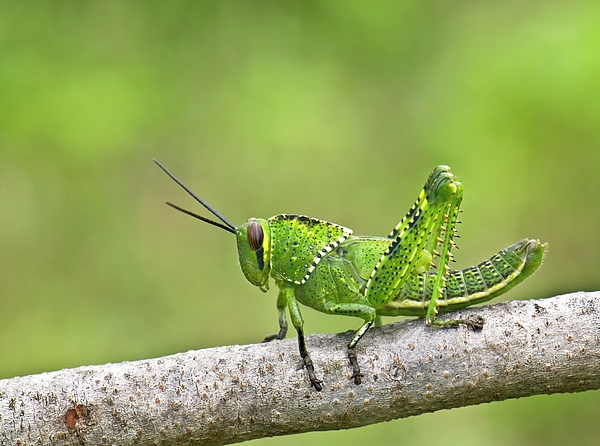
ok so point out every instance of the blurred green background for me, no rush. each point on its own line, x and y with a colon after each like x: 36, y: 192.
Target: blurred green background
x: 334, y: 109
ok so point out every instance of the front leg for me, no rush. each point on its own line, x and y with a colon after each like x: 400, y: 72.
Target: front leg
x: 310, y: 368
x: 288, y: 294
x: 283, y: 326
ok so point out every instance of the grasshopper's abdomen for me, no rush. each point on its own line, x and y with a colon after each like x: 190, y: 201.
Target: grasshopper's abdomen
x: 472, y: 285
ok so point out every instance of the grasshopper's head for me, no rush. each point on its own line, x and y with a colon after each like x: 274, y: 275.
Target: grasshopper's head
x: 254, y: 250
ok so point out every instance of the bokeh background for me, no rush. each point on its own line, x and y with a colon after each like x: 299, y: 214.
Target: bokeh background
x: 334, y: 109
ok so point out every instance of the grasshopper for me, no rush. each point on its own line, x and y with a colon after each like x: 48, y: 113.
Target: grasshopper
x: 324, y: 266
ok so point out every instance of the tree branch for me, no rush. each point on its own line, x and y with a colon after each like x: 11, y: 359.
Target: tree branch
x: 236, y: 393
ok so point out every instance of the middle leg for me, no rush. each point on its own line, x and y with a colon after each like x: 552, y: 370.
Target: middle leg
x: 364, y: 312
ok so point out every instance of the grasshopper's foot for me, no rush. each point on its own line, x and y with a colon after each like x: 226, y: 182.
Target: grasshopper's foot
x: 356, y: 374
x: 277, y: 336
x: 272, y: 338
x: 310, y: 368
x: 475, y: 323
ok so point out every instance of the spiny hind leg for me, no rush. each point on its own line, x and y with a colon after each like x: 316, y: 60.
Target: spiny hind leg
x: 411, y: 252
x: 443, y: 237
x: 476, y: 322
x: 439, y: 287
x: 364, y: 312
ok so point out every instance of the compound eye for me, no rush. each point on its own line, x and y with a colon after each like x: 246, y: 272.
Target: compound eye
x: 255, y: 235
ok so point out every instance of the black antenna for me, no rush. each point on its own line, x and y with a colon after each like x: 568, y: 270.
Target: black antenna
x: 227, y: 226
x: 200, y: 217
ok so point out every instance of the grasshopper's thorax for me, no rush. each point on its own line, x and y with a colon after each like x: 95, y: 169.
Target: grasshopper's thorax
x: 299, y: 243
x: 254, y: 250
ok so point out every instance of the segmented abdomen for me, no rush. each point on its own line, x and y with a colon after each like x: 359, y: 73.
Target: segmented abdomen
x: 484, y: 279
x: 471, y: 285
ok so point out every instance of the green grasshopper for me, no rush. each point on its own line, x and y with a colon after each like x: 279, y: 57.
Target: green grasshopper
x: 323, y: 266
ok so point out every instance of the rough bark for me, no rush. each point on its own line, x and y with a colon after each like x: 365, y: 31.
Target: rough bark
x: 237, y: 393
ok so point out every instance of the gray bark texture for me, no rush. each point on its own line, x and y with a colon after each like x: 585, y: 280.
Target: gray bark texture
x: 231, y: 394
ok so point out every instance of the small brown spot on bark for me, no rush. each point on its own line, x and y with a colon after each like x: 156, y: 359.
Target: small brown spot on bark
x: 76, y: 416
